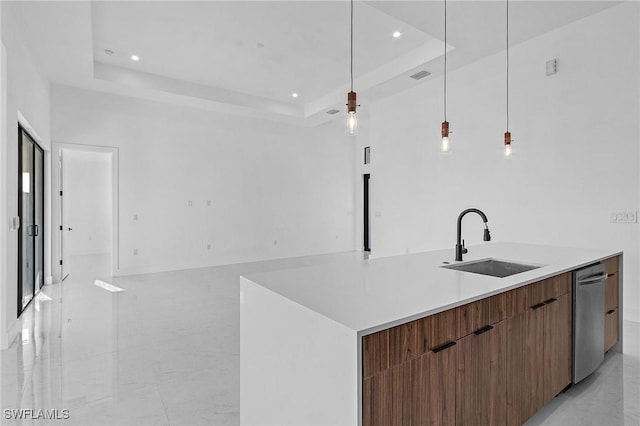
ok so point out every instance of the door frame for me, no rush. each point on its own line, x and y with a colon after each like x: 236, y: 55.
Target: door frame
x: 366, y: 214
x: 22, y: 130
x: 57, y: 214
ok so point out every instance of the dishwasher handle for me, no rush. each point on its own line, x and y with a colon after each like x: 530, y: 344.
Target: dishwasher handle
x: 592, y: 279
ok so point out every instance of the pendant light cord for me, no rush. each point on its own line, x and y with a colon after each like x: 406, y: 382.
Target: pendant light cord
x: 445, y: 60
x: 507, y: 65
x: 352, y: 45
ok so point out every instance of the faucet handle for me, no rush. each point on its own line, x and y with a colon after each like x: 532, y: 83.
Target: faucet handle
x: 464, y: 250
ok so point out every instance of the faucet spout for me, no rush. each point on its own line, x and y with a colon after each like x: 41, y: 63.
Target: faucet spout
x: 460, y: 248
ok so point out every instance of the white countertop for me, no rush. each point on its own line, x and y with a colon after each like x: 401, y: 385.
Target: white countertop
x: 371, y: 295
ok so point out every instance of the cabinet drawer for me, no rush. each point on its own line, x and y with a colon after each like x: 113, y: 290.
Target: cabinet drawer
x: 610, y: 329
x: 549, y: 289
x: 517, y: 301
x: 392, y: 347
x: 481, y: 313
x: 611, y: 285
x: 611, y: 264
x: 611, y: 293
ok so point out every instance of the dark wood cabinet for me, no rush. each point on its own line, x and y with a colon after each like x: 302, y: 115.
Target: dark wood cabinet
x: 542, y: 366
x: 420, y: 391
x: 495, y: 361
x: 611, y: 303
x: 516, y: 338
x: 481, y: 391
x: 557, y: 346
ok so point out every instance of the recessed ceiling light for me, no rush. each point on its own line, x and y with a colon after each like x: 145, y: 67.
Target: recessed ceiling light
x: 108, y: 52
x: 397, y: 34
x: 295, y: 95
x: 135, y: 58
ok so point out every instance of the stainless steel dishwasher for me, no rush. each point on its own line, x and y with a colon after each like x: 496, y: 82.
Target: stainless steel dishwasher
x: 588, y: 320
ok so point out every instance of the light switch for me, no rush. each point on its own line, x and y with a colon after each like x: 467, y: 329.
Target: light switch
x: 624, y: 217
x: 552, y: 67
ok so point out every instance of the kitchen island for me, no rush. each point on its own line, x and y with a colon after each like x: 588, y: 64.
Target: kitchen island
x: 315, y: 342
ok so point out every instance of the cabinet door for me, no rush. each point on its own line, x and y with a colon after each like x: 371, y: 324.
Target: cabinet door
x: 533, y: 397
x: 433, y: 388
x: 387, y: 396
x: 557, y: 346
x: 481, y: 377
x: 611, y: 304
x: 417, y: 392
x: 610, y: 329
x: 611, y: 292
x: 516, y: 337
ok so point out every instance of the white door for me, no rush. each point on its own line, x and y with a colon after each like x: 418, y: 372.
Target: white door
x: 64, y: 226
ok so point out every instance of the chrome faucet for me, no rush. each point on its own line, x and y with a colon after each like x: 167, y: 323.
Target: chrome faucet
x: 460, y: 249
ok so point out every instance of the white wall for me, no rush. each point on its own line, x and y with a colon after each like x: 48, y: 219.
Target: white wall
x: 87, y: 196
x: 275, y: 190
x: 26, y: 95
x: 576, y: 156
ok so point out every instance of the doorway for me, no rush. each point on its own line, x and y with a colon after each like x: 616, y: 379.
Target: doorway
x: 367, y: 227
x: 31, y: 213
x: 86, y: 209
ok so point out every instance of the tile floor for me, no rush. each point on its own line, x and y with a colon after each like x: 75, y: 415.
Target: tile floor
x: 166, y: 352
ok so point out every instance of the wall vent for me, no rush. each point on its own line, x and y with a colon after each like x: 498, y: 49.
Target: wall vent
x: 420, y: 74
x: 333, y: 111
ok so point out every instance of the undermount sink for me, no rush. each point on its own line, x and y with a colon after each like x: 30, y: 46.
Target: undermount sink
x: 492, y: 267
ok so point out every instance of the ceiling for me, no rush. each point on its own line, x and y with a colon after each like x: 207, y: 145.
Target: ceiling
x: 249, y: 57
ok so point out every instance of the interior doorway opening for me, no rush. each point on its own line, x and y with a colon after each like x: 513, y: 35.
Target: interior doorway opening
x: 86, y: 208
x: 31, y: 213
x: 367, y: 215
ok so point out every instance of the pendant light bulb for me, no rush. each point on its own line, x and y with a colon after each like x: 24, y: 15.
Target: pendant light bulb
x: 352, y: 121
x: 445, y: 145
x: 508, y: 149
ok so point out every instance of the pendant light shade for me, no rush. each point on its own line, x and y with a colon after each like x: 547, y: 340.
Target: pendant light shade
x: 352, y: 103
x: 445, y: 144
x: 508, y: 149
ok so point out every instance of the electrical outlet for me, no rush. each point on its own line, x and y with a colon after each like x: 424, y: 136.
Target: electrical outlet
x: 135, y: 217
x: 135, y: 252
x: 190, y: 203
x: 208, y: 203
x: 624, y: 217
x: 208, y: 246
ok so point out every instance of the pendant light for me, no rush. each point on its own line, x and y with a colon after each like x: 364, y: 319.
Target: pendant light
x: 508, y: 150
x: 445, y: 144
x: 352, y: 103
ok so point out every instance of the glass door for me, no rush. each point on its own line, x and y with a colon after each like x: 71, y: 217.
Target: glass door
x: 31, y: 212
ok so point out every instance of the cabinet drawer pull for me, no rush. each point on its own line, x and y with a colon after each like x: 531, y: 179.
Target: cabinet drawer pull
x: 553, y: 299
x: 443, y: 347
x: 538, y: 306
x: 483, y: 330
x: 611, y: 311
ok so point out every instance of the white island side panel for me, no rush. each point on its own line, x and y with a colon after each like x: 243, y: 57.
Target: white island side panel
x: 297, y: 367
